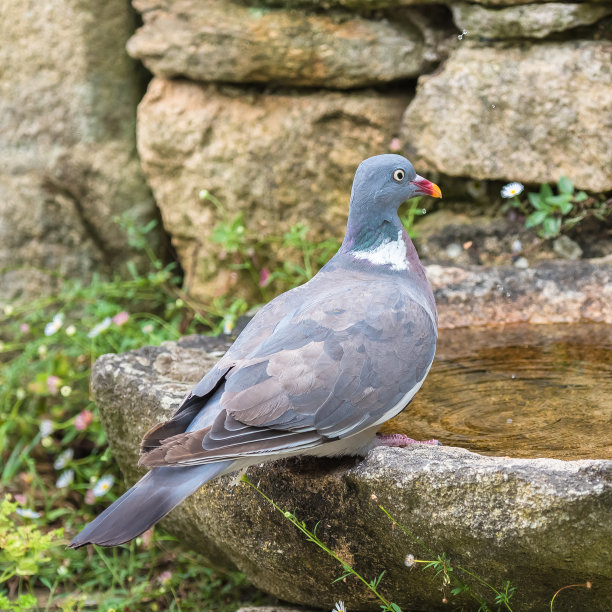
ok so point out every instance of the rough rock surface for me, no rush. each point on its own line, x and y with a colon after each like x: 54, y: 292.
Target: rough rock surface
x: 366, y: 5
x: 463, y: 236
x: 378, y: 4
x: 525, y: 21
x: 223, y: 41
x: 540, y: 523
x: 68, y: 163
x: 526, y: 113
x: 280, y: 158
x: 551, y: 292
x: 519, y: 2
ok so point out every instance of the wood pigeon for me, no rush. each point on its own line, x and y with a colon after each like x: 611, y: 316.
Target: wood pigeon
x: 315, y: 372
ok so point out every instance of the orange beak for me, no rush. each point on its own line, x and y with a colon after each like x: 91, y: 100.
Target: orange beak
x: 426, y: 187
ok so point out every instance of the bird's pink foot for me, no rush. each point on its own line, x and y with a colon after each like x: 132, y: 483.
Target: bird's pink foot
x: 402, y: 440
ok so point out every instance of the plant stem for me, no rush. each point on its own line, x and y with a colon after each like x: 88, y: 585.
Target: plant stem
x: 586, y: 585
x: 459, y: 567
x: 313, y: 538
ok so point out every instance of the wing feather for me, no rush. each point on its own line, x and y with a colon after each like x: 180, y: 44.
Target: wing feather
x: 306, y: 373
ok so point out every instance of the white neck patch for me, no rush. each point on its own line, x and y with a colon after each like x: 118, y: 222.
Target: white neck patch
x: 387, y: 253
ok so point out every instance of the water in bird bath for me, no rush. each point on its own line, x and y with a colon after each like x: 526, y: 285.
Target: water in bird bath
x: 520, y: 391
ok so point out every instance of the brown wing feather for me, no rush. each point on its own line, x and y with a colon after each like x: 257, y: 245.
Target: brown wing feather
x: 258, y: 329
x: 206, y: 446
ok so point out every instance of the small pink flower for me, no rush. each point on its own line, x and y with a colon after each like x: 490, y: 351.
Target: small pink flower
x: 20, y: 499
x: 90, y: 498
x: 83, y: 420
x: 264, y: 275
x: 53, y: 384
x: 147, y: 538
x: 24, y: 328
x: 121, y: 318
x: 395, y: 145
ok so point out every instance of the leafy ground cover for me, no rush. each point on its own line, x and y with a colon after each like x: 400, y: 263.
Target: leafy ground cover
x: 56, y: 471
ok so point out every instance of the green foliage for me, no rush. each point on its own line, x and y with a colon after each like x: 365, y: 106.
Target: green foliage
x: 54, y: 455
x: 408, y: 215
x: 270, y: 264
x: 552, y: 213
x: 550, y: 208
x: 25, y: 601
x: 22, y: 547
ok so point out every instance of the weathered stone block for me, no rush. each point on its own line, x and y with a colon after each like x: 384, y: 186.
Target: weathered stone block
x: 529, y: 113
x: 551, y: 292
x: 368, y: 5
x: 68, y: 163
x: 223, y: 41
x: 365, y: 5
x: 280, y: 157
x: 526, y: 21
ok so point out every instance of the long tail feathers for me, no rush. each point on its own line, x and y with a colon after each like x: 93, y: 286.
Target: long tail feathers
x: 147, y: 502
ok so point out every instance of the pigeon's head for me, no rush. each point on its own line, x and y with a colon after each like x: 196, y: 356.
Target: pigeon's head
x: 384, y: 182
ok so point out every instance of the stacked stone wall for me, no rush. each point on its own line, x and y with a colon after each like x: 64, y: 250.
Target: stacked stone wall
x: 270, y: 105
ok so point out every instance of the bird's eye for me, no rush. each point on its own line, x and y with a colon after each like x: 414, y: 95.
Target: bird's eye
x: 399, y: 175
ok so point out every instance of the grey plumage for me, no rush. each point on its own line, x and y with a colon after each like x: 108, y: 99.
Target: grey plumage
x: 148, y: 501
x: 316, y: 371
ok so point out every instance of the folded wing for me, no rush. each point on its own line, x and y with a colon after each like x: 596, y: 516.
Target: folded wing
x: 327, y: 370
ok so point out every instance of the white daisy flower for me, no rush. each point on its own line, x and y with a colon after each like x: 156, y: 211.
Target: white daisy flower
x: 55, y: 324
x: 66, y: 391
x: 511, y: 190
x: 339, y: 607
x: 63, y: 458
x: 27, y: 513
x: 65, y: 479
x: 100, y: 327
x: 228, y: 325
x: 46, y: 427
x: 103, y: 485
